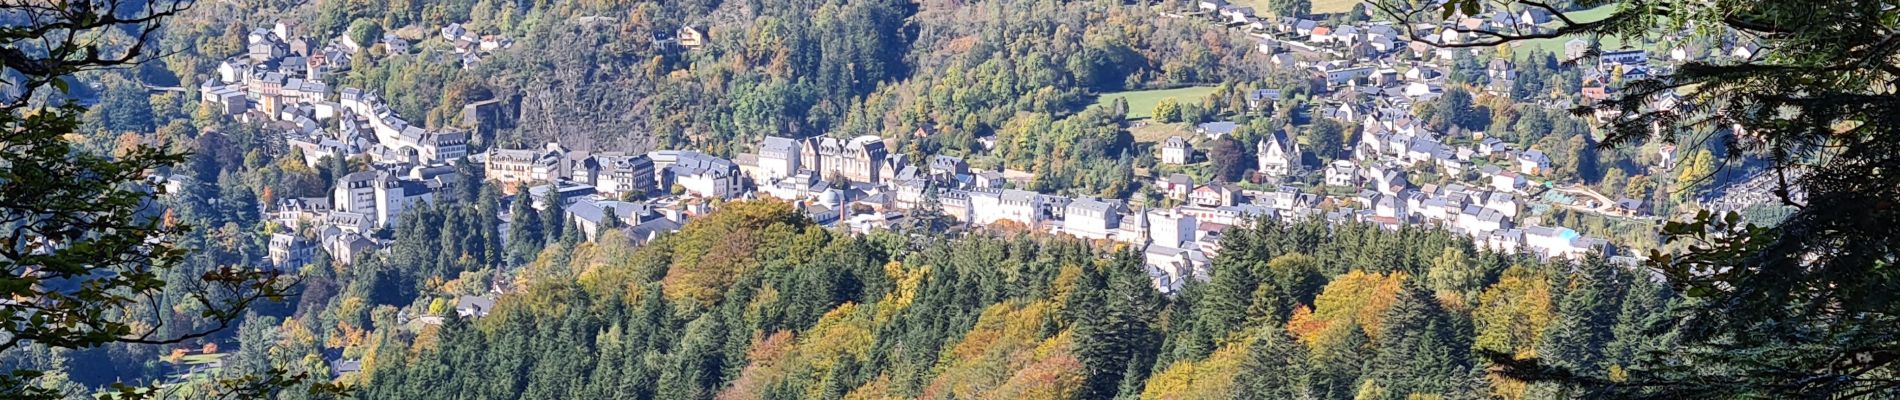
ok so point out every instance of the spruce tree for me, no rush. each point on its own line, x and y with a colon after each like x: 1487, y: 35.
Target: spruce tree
x: 525, y: 234
x: 1275, y: 367
x: 1415, y: 354
x: 1114, y: 333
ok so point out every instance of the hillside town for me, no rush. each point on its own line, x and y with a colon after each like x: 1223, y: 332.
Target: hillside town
x: 859, y: 184
x: 997, y: 199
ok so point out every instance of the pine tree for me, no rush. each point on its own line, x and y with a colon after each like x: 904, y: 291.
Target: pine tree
x: 1275, y: 367
x: 1114, y: 333
x: 1584, y: 317
x: 694, y: 368
x: 1415, y: 356
x: 554, y: 219
x: 525, y: 233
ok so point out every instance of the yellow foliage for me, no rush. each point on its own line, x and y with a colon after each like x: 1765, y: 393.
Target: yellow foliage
x: 1358, y: 298
x: 1371, y: 390
x: 1511, y: 317
x: 428, y: 337
x: 1004, y: 350
x: 1054, y: 373
x: 906, y: 291
x: 878, y: 388
x: 845, y: 331
x: 1065, y: 282
x: 1212, y: 378
x: 710, y: 253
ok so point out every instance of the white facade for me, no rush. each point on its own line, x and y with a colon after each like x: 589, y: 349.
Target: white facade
x: 1170, y: 229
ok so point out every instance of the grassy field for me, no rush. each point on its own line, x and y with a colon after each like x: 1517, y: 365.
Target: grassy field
x: 1333, y: 6
x: 1591, y: 15
x: 1556, y: 45
x: 1154, y: 132
x: 1141, y: 103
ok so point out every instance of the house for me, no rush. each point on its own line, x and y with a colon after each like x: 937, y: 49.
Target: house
x: 523, y: 165
x: 1623, y: 59
x: 345, y: 248
x: 1304, y: 27
x: 1216, y: 130
x: 1260, y: 99
x: 988, y: 206
x: 1389, y: 207
x: 1176, y: 186
x: 1267, y: 46
x: 1169, y: 268
x: 989, y: 179
x: 1492, y: 145
x: 379, y: 194
x: 1576, y: 49
x: 1335, y: 77
x: 1168, y: 228
x: 1236, y: 14
x: 1534, y: 16
x: 778, y: 158
x: 1176, y: 151
x: 1502, y: 202
x: 288, y: 252
x: 701, y: 175
x: 948, y: 167
x: 395, y: 45
x: 1390, y: 181
x: 474, y: 306
x: 1632, y: 207
x: 1342, y: 173
x: 286, y: 28
x: 1210, y: 5
x: 1215, y: 195
x: 590, y: 215
x: 1279, y: 154
x: 652, y: 229
x: 1092, y: 218
x: 691, y: 38
x: 341, y: 367
x: 626, y: 175
x: 857, y: 159
x: 895, y: 166
x: 1500, y: 69
x: 558, y: 194
x: 1504, y: 180
x: 456, y: 32
x: 491, y: 43
x: 1474, y: 220
x: 1533, y: 162
x: 1595, y: 91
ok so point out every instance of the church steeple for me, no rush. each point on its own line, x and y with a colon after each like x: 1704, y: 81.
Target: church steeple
x: 1141, y: 222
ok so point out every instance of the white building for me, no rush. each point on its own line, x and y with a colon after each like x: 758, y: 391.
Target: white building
x: 1342, y: 173
x: 1279, y: 154
x: 1171, y: 229
x: 1532, y: 162
x: 988, y: 206
x: 1176, y: 151
x: 1092, y: 218
x: 778, y: 158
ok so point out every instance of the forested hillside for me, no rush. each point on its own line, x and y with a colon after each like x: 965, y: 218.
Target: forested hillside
x: 603, y: 75
x: 756, y: 302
